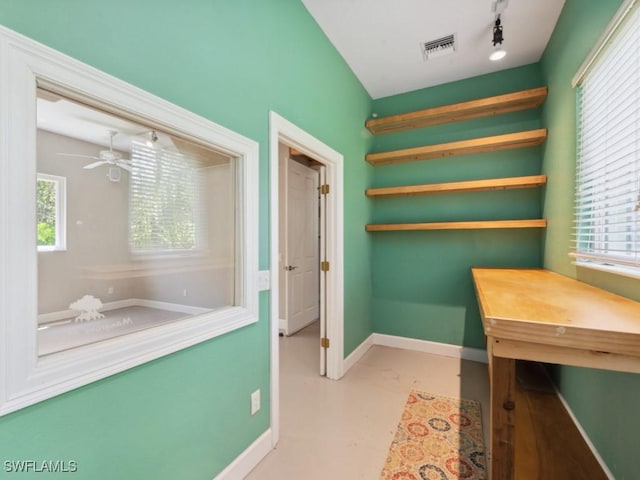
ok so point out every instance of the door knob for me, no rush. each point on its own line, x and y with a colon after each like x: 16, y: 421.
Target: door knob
x: 289, y: 268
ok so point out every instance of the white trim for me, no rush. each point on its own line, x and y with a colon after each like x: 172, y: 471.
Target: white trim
x: 283, y: 131
x: 425, y: 346
x: 586, y: 438
x: 26, y: 379
x: 615, y: 22
x: 248, y: 459
x: 355, y: 356
x: 435, y: 348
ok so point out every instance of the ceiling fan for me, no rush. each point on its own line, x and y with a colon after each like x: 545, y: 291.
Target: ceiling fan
x: 105, y: 157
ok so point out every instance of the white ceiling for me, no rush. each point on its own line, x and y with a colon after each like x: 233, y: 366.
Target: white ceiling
x: 381, y: 39
x: 91, y: 125
x: 68, y: 118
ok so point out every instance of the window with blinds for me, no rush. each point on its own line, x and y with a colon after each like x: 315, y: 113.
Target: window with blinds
x: 165, y: 189
x: 608, y: 172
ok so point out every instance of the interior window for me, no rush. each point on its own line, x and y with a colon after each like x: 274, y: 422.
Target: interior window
x: 151, y: 226
x: 149, y: 212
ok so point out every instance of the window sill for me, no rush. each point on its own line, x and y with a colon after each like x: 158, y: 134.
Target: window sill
x: 42, y: 249
x: 628, y: 272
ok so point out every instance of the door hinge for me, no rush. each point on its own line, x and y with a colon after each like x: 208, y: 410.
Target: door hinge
x: 324, y: 342
x: 324, y: 189
x: 324, y: 266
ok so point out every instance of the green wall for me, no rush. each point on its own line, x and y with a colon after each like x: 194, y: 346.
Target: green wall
x: 604, y: 402
x: 422, y: 284
x: 187, y: 415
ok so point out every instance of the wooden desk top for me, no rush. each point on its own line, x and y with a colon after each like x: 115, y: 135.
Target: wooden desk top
x: 539, y: 306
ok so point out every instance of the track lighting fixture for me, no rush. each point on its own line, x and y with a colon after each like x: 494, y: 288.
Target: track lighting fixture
x: 498, y: 52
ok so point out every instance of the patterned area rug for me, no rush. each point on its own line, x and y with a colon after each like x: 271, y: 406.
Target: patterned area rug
x: 438, y: 438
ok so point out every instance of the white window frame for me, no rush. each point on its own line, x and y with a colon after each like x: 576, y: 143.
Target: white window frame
x: 604, y: 261
x: 60, y: 184
x: 26, y: 379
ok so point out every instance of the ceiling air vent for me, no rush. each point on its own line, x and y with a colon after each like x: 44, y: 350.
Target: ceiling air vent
x: 439, y: 47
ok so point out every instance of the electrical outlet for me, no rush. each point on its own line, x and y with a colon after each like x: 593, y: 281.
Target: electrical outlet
x: 110, y: 290
x: 184, y: 292
x: 255, y: 402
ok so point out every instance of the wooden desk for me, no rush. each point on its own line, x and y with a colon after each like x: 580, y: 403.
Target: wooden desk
x: 534, y: 314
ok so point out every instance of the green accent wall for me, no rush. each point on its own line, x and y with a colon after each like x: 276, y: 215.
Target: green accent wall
x: 187, y: 415
x: 422, y: 284
x: 604, y: 402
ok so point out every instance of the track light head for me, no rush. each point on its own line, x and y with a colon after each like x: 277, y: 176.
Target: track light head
x: 497, y: 32
x: 498, y: 52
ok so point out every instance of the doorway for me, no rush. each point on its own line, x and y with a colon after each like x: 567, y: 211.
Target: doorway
x: 283, y: 132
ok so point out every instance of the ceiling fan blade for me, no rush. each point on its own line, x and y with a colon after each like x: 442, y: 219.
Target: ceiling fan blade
x: 78, y: 155
x: 95, y: 164
x: 124, y: 165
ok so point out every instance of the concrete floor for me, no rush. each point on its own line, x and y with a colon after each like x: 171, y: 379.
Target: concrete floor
x: 342, y: 429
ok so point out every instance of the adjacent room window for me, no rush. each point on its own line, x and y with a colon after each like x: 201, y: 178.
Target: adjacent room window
x: 165, y: 194
x: 608, y: 171
x: 51, y: 212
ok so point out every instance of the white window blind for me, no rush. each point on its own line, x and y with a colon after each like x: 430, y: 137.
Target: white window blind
x: 608, y: 172
x: 164, y: 201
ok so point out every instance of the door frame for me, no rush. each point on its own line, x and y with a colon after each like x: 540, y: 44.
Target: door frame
x: 285, y: 132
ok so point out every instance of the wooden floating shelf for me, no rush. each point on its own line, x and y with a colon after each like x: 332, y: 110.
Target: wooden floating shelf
x: 474, y: 225
x: 529, y: 138
x: 468, y: 186
x: 510, y: 102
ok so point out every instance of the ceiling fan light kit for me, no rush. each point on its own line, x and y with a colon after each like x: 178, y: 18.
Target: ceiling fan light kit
x: 114, y: 174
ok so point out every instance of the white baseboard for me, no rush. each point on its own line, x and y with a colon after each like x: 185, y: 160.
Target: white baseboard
x: 247, y: 460
x: 590, y: 444
x: 444, y: 349
x: 358, y: 353
x: 426, y: 346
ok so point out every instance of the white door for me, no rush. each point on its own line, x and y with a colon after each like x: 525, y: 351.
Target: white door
x: 302, y: 263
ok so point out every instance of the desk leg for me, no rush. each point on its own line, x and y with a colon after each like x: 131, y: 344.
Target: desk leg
x: 503, y: 378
